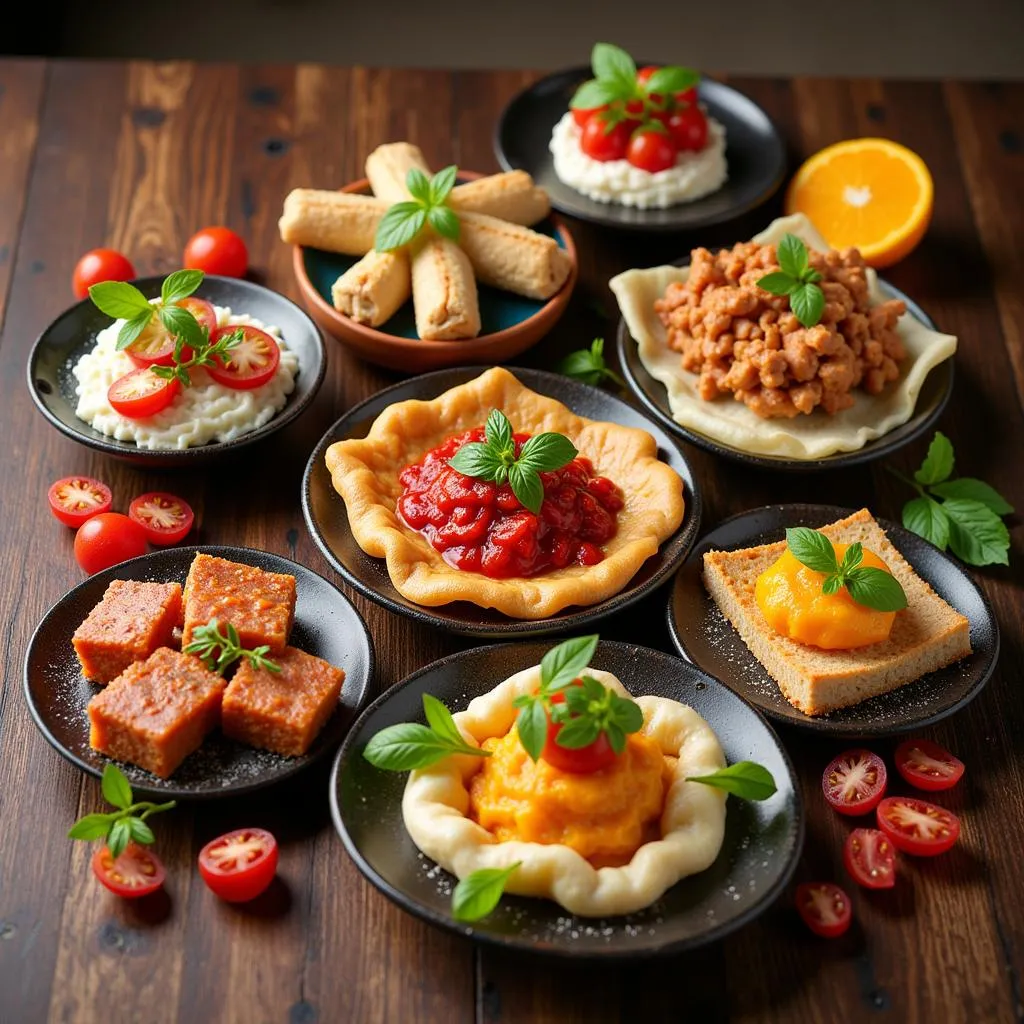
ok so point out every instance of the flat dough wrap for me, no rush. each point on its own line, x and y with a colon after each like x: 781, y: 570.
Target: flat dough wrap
x: 731, y: 422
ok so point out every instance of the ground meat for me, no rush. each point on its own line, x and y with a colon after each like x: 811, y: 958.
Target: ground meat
x: 743, y: 341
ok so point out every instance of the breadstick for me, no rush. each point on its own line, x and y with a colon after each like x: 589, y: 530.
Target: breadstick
x: 443, y: 291
x: 372, y: 290
x: 335, y: 221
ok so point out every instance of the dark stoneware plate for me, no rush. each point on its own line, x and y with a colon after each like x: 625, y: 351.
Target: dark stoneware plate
x: 73, y: 333
x: 931, y: 400
x: 757, y: 859
x: 327, y: 519
x: 754, y: 152
x: 703, y: 634
x: 326, y: 625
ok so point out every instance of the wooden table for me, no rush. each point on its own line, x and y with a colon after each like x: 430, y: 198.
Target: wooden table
x: 138, y: 156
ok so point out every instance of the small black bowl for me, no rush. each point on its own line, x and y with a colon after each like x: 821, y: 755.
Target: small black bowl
x: 757, y: 859
x: 327, y: 519
x: 73, y: 333
x: 755, y: 154
x: 704, y: 636
x: 931, y: 401
x: 326, y: 625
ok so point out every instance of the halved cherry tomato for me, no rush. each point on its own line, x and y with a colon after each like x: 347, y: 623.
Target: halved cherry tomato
x: 601, y: 141
x: 106, y: 539
x: 137, y: 872
x: 141, y: 393
x: 581, y: 760
x: 165, y: 518
x: 870, y: 858
x: 651, y: 150
x: 689, y: 128
x: 251, y: 363
x: 73, y: 499
x: 926, y: 765
x: 854, y: 782
x: 824, y: 907
x: 240, y: 865
x: 217, y: 250
x: 155, y: 346
x: 916, y: 826
x: 99, y: 265
x: 581, y: 116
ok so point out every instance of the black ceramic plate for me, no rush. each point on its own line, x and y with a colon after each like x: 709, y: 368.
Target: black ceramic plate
x: 931, y: 400
x: 327, y: 519
x: 74, y: 332
x: 703, y: 634
x: 326, y: 625
x: 760, y: 851
x: 754, y: 151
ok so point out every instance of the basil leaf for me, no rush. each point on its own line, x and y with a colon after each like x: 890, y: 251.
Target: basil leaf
x: 616, y: 736
x: 498, y: 431
x: 479, y: 892
x: 578, y: 733
x: 832, y: 585
x: 418, y: 185
x: 180, y: 285
x: 532, y: 728
x: 597, y: 351
x: 583, y: 366
x: 119, y: 299
x: 926, y: 518
x: 182, y: 324
x: 564, y: 663
x: 409, y: 745
x: 853, y: 557
x: 612, y: 62
x: 792, y: 256
x: 547, y: 451
x: 442, y: 183
x: 445, y: 221
x: 116, y: 789
x: 976, y: 534
x: 627, y: 714
x: 399, y: 226
x: 778, y: 283
x: 476, y: 459
x: 812, y: 549
x: 576, y: 698
x: 140, y: 831
x: 591, y: 689
x: 876, y: 588
x: 671, y: 79
x: 974, y: 490
x: 526, y: 486
x: 92, y: 826
x: 807, y: 301
x: 440, y: 720
x: 118, y: 838
x: 593, y: 94
x: 938, y: 463
x: 131, y: 329
x: 745, y: 779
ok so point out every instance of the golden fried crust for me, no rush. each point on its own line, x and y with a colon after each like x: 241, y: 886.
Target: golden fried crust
x: 365, y: 473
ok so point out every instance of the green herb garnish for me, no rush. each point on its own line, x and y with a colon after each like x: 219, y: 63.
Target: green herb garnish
x: 963, y: 514
x: 745, y: 779
x: 797, y: 279
x: 209, y: 639
x: 615, y: 83
x: 589, y: 366
x: 479, y: 892
x: 126, y: 824
x: 428, y: 205
x: 495, y: 459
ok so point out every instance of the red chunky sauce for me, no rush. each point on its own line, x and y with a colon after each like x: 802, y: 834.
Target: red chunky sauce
x: 481, y: 527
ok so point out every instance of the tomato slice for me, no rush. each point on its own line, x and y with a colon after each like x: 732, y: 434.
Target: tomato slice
x: 854, y: 782
x: 240, y: 865
x: 870, y: 858
x: 155, y: 345
x: 141, y: 393
x: 166, y: 518
x: 251, y: 363
x: 73, y: 499
x: 917, y: 827
x: 578, y: 760
x: 824, y: 907
x: 926, y: 765
x: 137, y: 872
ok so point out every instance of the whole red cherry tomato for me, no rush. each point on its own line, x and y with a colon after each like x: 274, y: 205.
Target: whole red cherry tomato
x: 100, y: 265
x: 651, y: 150
x: 217, y: 250
x: 578, y: 760
x: 601, y: 141
x: 582, y: 115
x: 107, y: 539
x: 689, y: 127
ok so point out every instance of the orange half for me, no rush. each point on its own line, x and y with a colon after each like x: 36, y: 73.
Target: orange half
x: 872, y: 194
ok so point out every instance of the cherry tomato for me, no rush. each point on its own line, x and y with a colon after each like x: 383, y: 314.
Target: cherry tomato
x: 870, y: 858
x: 240, y: 865
x: 165, y: 518
x: 916, y: 826
x: 824, y: 907
x: 251, y: 363
x: 686, y: 98
x: 217, y: 251
x: 107, y: 539
x: 141, y: 393
x: 137, y: 872
x: 689, y: 128
x: 73, y: 499
x: 926, y: 765
x: 651, y: 150
x: 854, y: 782
x: 581, y: 116
x: 603, y: 142
x: 155, y: 345
x: 100, y: 265
x: 581, y: 760
x: 643, y: 77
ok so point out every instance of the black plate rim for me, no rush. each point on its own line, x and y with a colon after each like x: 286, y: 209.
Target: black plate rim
x: 467, y: 930
x: 520, y: 628
x: 167, y: 792
x: 817, y: 724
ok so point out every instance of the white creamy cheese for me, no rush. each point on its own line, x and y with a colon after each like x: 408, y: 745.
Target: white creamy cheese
x: 205, y: 412
x: 618, y: 181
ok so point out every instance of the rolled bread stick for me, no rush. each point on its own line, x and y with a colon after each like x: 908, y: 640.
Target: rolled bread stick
x: 335, y: 221
x: 443, y: 291
x: 372, y: 290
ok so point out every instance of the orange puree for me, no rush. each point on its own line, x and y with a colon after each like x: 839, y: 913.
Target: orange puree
x: 790, y: 598
x: 605, y: 816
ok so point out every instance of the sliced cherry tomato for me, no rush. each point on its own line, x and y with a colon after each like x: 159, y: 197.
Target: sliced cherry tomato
x: 106, y: 539
x: 581, y: 116
x: 651, y: 150
x: 854, y: 782
x: 100, y: 265
x: 240, y: 865
x: 579, y: 760
x: 926, y: 765
x: 137, y: 872
x: 824, y: 907
x: 602, y: 141
x: 689, y: 128
x: 141, y: 393
x: 251, y: 363
x: 73, y: 499
x: 164, y: 517
x: 870, y: 858
x: 155, y: 345
x: 916, y: 826
x: 217, y: 250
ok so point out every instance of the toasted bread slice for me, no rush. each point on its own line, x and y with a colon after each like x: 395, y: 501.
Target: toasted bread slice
x: 926, y: 635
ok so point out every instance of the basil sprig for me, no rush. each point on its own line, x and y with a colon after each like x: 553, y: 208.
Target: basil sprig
x: 873, y: 588
x: 745, y: 779
x: 479, y: 892
x: 220, y: 648
x: 428, y: 205
x: 589, y: 366
x: 615, y: 81
x: 797, y: 279
x: 495, y: 459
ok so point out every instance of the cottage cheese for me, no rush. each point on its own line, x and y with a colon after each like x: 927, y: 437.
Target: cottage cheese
x: 618, y: 181
x: 205, y: 412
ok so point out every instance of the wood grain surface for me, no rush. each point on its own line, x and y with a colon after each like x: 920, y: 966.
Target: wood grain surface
x: 138, y: 156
